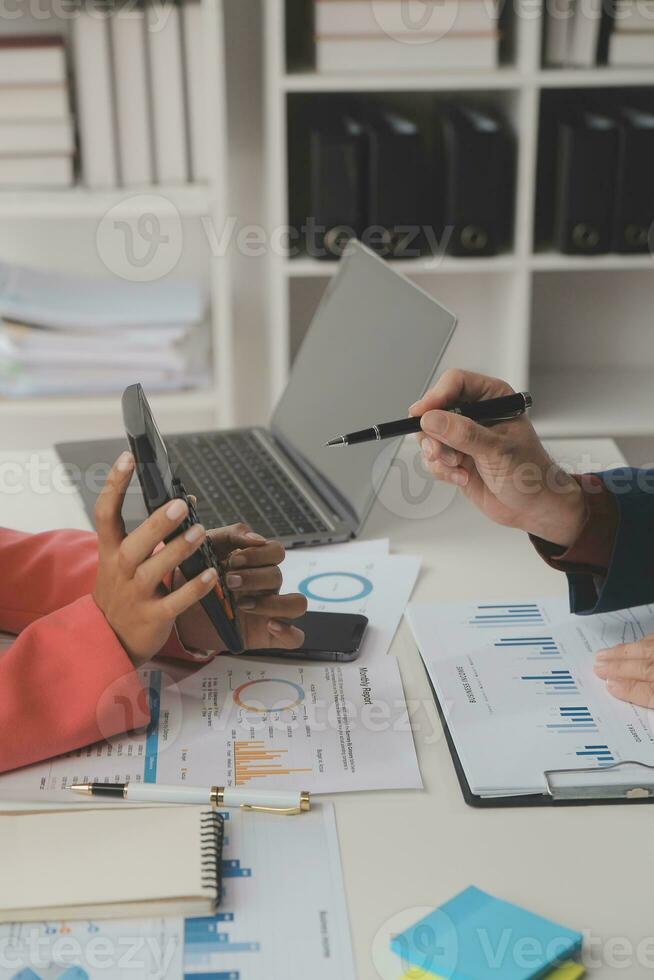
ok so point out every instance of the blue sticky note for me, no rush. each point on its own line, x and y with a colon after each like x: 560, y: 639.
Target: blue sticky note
x: 477, y: 937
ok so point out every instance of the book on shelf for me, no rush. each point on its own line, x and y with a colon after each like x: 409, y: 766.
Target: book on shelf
x: 631, y: 49
x: 95, y: 98
x: 37, y: 141
x: 558, y: 28
x: 165, y: 55
x: 132, y: 95
x: 196, y: 107
x: 361, y: 18
x: 452, y: 51
x: 34, y: 102
x: 32, y: 60
x: 36, y: 173
x: 584, y: 36
x: 36, y: 138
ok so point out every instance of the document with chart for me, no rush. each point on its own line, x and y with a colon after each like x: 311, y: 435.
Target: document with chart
x: 356, y: 581
x: 244, y: 722
x: 516, y: 684
x: 254, y: 935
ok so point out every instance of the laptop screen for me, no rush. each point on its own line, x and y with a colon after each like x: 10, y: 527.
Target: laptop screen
x: 371, y: 350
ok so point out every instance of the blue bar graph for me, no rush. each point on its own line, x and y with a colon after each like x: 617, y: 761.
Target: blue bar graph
x: 204, y: 939
x: 532, y: 647
x: 230, y: 975
x: 514, y: 614
x: 152, y: 734
x: 233, y: 869
x: 601, y: 753
x: 574, y: 720
x: 554, y: 682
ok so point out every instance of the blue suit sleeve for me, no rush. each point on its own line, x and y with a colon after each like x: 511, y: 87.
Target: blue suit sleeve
x: 630, y: 577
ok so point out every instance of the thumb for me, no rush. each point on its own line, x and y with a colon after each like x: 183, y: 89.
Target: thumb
x: 460, y: 433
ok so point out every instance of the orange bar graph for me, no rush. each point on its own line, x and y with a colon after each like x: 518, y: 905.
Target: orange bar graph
x: 252, y: 760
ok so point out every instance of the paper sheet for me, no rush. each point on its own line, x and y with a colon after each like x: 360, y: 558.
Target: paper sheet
x: 517, y: 686
x: 355, y: 581
x: 245, y: 722
x: 255, y: 935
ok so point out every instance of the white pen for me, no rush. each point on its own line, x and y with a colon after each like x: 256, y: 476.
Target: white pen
x: 268, y: 801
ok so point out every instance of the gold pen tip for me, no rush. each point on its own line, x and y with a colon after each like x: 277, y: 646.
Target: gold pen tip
x: 84, y: 789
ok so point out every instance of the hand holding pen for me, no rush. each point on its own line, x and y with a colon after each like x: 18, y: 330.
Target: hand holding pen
x: 504, y: 470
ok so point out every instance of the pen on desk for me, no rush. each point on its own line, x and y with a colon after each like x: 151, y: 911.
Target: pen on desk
x: 489, y: 411
x: 287, y: 803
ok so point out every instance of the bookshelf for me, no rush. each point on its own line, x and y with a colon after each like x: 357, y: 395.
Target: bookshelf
x: 573, y: 329
x: 56, y: 229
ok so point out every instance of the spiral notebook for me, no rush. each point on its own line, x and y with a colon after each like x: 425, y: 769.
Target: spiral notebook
x: 94, y: 864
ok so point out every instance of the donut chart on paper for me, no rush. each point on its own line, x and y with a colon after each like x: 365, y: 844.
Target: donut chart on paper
x: 261, y: 697
x: 335, y: 587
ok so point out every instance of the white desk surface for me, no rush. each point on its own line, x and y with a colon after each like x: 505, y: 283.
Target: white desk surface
x: 590, y: 868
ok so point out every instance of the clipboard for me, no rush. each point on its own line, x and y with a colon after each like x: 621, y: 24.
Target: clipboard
x: 626, y: 783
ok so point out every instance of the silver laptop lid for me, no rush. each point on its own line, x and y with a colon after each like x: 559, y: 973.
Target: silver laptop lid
x: 371, y: 350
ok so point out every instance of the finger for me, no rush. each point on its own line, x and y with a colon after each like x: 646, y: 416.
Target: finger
x: 271, y: 553
x: 455, y: 387
x: 461, y: 434
x: 635, y: 692
x: 289, y: 606
x: 152, y: 572
x: 629, y: 670
x: 107, y: 514
x: 285, y: 636
x: 139, y: 545
x: 643, y: 649
x: 449, y: 474
x: 253, y: 580
x: 183, y: 598
x: 433, y: 449
x: 228, y: 539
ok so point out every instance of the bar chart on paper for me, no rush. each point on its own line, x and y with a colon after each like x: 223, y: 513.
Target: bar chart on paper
x: 244, y: 722
x: 523, y: 695
x: 492, y: 615
x: 254, y: 935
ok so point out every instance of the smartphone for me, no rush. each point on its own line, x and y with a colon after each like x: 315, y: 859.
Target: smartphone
x: 327, y: 636
x: 158, y: 485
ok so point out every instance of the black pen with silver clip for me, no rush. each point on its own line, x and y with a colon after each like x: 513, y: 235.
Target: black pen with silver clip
x: 490, y: 411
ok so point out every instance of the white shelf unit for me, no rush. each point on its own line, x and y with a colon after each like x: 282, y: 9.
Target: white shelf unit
x: 515, y: 310
x: 56, y: 230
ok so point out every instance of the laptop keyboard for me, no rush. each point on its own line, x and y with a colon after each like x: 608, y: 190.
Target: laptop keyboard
x: 236, y: 479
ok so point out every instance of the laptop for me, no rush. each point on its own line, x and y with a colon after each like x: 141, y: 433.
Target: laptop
x: 372, y: 349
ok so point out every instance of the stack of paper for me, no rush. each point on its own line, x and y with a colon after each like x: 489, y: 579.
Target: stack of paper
x: 36, y: 130
x: 355, y: 35
x: 63, y: 335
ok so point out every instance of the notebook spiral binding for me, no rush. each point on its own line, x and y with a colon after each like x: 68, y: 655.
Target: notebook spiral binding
x: 212, y: 837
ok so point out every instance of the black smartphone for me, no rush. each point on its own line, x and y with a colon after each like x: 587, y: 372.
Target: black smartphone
x: 158, y: 485
x: 327, y: 636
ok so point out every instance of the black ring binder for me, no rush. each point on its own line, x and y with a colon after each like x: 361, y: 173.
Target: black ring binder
x: 212, y: 836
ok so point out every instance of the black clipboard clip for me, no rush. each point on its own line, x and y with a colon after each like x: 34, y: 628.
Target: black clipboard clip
x: 620, y: 781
